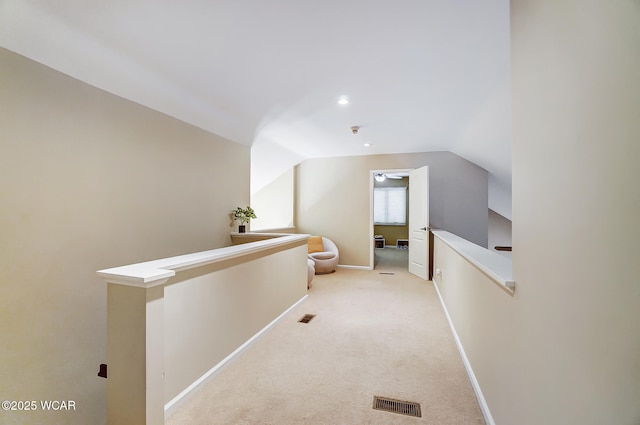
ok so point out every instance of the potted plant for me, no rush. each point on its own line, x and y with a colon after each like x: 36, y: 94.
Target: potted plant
x: 243, y: 215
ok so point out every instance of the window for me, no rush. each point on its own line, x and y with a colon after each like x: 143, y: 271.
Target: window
x: 390, y: 205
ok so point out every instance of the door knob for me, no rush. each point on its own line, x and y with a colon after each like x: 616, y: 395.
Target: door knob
x: 423, y: 228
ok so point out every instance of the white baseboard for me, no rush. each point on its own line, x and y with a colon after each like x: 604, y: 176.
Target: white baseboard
x: 171, y: 405
x: 346, y: 266
x: 484, y: 407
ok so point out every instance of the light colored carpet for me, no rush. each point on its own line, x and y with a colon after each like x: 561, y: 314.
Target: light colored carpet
x: 373, y: 334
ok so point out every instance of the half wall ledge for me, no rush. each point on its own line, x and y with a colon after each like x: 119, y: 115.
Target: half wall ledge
x: 157, y: 272
x: 495, y: 266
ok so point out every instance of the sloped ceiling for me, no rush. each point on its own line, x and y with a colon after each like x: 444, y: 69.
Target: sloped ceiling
x: 421, y: 75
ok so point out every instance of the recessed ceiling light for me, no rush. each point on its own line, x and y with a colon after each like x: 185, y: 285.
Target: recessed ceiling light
x: 343, y: 100
x: 367, y: 144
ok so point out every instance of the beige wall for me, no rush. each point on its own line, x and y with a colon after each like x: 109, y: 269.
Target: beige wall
x: 500, y: 230
x: 90, y: 181
x: 274, y: 204
x: 333, y: 198
x: 572, y: 356
x: 391, y: 233
x: 222, y: 305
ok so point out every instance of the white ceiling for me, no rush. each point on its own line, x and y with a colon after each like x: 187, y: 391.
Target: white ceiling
x: 422, y: 75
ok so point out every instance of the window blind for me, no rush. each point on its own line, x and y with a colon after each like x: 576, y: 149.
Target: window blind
x: 390, y: 205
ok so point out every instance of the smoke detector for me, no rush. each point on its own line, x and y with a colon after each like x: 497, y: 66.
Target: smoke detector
x: 354, y: 129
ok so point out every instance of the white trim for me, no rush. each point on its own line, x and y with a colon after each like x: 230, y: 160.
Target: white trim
x: 372, y: 246
x: 484, y: 407
x: 346, y: 266
x: 172, y: 404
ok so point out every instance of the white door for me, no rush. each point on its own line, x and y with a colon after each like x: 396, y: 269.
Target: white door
x: 419, y: 222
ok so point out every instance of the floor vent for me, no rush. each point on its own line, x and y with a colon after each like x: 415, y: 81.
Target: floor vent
x: 387, y: 273
x: 397, y: 406
x: 307, y: 318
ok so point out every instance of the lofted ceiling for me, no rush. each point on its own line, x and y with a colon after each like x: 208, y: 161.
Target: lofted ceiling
x: 421, y: 75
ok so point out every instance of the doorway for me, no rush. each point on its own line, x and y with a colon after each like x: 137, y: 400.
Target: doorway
x: 389, y: 219
x: 405, y: 230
